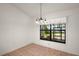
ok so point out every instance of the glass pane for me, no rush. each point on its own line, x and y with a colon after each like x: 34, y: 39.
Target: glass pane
x: 63, y: 28
x: 45, y: 35
x: 45, y: 27
x: 51, y: 34
x: 55, y: 25
x: 63, y: 25
x: 52, y: 27
x: 60, y: 25
x: 57, y: 38
x: 57, y: 32
x: 63, y: 38
x: 57, y: 28
x: 63, y: 35
x: 57, y: 35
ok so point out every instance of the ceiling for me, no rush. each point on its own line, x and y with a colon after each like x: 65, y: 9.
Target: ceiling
x: 32, y: 9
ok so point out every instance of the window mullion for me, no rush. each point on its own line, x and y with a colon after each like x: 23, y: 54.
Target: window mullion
x: 50, y: 32
x: 53, y: 32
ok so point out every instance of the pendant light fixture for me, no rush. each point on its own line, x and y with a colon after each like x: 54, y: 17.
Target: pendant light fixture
x: 41, y: 20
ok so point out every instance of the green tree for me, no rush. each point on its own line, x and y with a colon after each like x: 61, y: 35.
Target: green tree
x: 46, y: 33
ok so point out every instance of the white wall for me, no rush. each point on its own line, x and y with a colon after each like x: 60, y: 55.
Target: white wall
x: 15, y: 28
x: 72, y: 34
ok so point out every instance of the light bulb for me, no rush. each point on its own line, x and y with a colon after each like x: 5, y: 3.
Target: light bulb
x: 37, y: 22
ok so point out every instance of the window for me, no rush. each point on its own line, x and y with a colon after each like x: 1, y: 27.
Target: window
x: 53, y: 32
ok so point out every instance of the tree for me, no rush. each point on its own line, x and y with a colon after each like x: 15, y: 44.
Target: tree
x: 46, y: 33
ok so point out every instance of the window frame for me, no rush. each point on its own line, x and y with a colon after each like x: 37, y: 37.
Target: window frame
x: 54, y: 40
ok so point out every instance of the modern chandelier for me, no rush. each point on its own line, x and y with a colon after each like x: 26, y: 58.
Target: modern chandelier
x: 41, y: 20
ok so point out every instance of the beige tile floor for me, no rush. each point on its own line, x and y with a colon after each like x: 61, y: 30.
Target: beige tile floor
x: 37, y: 50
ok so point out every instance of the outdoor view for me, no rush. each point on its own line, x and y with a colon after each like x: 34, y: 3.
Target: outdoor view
x: 53, y: 32
x: 45, y: 32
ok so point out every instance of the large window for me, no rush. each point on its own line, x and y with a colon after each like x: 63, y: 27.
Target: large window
x: 53, y: 32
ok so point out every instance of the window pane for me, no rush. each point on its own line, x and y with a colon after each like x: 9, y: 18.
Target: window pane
x: 45, y: 35
x: 57, y: 37
x: 63, y: 35
x: 57, y: 32
x: 45, y: 27
x: 57, y: 28
x: 63, y: 38
x: 63, y: 26
x: 51, y: 34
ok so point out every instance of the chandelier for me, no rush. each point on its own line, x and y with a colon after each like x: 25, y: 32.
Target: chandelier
x: 41, y: 20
